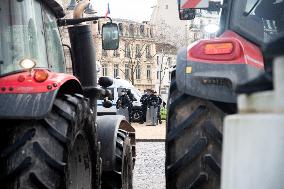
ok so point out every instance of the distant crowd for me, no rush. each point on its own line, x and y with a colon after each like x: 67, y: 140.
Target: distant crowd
x: 148, y: 99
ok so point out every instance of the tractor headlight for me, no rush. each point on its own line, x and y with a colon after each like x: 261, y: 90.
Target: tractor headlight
x: 27, y: 63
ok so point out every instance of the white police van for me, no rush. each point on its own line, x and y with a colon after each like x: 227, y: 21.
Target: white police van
x: 116, y: 88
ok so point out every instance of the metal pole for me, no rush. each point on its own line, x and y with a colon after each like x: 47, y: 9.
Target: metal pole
x: 160, y: 77
x: 161, y: 67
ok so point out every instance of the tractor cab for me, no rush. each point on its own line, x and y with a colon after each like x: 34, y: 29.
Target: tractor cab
x: 29, y: 36
x: 204, y: 86
x: 259, y: 21
x: 48, y: 118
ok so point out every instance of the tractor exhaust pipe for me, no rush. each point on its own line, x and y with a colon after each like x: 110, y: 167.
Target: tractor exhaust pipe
x: 80, y: 8
x: 83, y: 52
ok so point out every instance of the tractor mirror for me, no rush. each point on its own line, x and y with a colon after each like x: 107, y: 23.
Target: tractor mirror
x: 186, y: 14
x: 110, y: 36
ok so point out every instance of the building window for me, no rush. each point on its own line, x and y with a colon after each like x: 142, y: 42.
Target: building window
x: 142, y: 30
x: 127, y: 71
x: 131, y: 30
x: 158, y: 60
x: 151, y: 33
x: 115, y: 53
x: 104, y: 68
x: 167, y: 6
x: 137, y: 51
x: 169, y: 61
x: 147, y: 51
x: 120, y: 27
x: 115, y: 71
x: 148, y: 32
x: 148, y: 73
x: 127, y: 50
x: 195, y: 37
x: 138, y: 72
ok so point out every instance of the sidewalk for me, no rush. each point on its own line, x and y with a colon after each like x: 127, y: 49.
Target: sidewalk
x: 150, y: 133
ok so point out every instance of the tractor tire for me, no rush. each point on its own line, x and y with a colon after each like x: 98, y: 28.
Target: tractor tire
x: 193, y: 141
x: 57, y: 152
x: 122, y: 176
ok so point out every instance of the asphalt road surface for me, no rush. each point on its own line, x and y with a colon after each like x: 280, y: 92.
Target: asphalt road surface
x: 149, y: 171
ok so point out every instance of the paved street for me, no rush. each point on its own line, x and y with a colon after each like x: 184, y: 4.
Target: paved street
x: 149, y: 171
x: 144, y: 132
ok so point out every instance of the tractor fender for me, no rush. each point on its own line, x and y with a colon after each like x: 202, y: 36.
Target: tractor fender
x: 108, y: 126
x: 34, y: 103
x: 212, y: 81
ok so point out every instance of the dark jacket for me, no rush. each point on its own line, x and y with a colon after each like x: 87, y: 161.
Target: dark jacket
x: 123, y: 101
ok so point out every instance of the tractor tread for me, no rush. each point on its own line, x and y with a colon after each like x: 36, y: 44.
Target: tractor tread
x: 212, y: 162
x: 45, y: 144
x: 174, y: 104
x: 73, y: 100
x: 192, y: 153
x: 201, y: 179
x: 25, y: 164
x: 19, y: 143
x: 38, y: 182
x: 172, y: 135
x: 53, y: 163
x: 56, y: 134
x: 193, y: 141
x: 213, y: 132
x: 114, y: 179
x: 64, y: 110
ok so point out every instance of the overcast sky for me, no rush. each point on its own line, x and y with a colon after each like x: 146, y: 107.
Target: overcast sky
x: 137, y: 10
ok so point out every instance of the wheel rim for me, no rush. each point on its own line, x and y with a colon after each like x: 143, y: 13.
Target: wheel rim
x: 80, y: 164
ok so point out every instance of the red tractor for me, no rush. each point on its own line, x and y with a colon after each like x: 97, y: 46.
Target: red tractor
x: 51, y: 137
x: 205, y: 83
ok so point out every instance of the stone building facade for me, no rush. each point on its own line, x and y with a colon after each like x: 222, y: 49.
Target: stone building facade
x: 178, y: 32
x: 168, y: 27
x: 196, y: 26
x: 135, y: 59
x: 142, y: 58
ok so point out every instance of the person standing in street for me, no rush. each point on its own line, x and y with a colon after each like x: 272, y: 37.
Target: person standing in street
x: 156, y: 101
x: 144, y: 101
x: 124, y: 102
x: 159, y: 103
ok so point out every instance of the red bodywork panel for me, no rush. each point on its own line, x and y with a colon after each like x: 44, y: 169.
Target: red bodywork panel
x: 244, y: 51
x: 24, y: 82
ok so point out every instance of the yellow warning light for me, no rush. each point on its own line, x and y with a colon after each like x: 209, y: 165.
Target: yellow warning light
x: 188, y: 69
